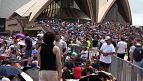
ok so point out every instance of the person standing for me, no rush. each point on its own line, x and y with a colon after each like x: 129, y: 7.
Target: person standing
x: 121, y: 48
x: 88, y: 43
x: 62, y: 45
x: 106, y: 51
x: 95, y: 45
x: 50, y: 59
x: 136, y: 56
x: 136, y: 52
x: 28, y: 50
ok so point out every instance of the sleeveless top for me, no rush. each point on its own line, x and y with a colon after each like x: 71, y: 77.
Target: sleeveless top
x: 48, y: 58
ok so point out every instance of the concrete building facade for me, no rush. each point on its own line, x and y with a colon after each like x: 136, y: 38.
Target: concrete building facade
x: 7, y: 7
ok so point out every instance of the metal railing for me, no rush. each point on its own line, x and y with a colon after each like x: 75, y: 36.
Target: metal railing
x: 125, y: 71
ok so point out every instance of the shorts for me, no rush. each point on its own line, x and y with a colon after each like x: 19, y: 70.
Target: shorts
x: 105, y: 65
x: 45, y: 75
x: 121, y: 55
x: 28, y: 53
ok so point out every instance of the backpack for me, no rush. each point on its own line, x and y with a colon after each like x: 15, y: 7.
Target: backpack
x: 138, y: 53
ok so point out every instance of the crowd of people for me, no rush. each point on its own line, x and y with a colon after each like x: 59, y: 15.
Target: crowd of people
x: 72, y: 50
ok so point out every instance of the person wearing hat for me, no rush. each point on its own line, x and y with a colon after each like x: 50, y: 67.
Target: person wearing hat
x: 106, y: 51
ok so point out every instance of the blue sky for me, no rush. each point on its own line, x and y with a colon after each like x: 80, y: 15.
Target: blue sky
x: 137, y: 11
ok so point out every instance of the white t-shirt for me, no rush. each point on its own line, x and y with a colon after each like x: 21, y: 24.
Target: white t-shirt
x: 106, y: 49
x: 102, y: 41
x: 121, y: 47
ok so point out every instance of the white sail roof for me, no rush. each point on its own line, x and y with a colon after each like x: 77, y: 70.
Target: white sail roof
x: 33, y: 8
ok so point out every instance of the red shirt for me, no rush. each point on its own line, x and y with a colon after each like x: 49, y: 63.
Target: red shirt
x: 77, y: 72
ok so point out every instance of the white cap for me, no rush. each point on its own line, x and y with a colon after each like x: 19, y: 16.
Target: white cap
x: 107, y: 37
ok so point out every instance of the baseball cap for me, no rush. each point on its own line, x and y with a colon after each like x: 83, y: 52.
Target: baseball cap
x: 107, y: 37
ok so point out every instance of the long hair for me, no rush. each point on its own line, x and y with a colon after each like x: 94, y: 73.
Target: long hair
x: 49, y: 37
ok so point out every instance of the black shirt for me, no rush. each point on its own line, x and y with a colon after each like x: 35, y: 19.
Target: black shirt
x: 95, y: 43
x: 48, y: 58
x: 28, y: 41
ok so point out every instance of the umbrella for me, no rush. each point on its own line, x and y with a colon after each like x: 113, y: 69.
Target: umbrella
x: 9, y: 71
x: 97, y: 77
x: 25, y: 77
x: 90, y: 78
x: 33, y: 73
x: 34, y: 51
x: 20, y: 35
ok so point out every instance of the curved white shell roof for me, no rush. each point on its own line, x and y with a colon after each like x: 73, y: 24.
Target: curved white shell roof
x: 35, y: 7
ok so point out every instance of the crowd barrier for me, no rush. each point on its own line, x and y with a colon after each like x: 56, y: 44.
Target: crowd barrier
x: 125, y: 71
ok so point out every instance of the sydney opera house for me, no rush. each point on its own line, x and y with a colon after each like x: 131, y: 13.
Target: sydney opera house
x: 94, y: 10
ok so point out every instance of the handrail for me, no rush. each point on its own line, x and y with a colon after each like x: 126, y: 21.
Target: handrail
x: 125, y: 71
